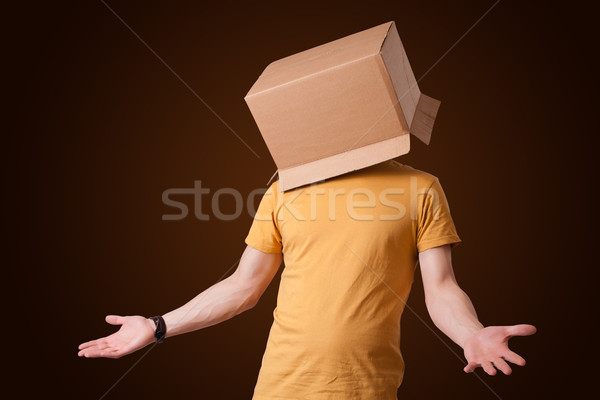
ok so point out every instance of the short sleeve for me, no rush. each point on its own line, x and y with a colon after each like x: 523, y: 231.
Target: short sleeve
x: 264, y: 233
x: 435, y: 226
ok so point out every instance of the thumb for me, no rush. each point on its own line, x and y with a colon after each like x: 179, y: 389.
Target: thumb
x: 115, y: 319
x: 521, y: 330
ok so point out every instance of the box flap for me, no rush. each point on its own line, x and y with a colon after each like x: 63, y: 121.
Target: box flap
x: 395, y: 59
x: 422, y: 123
x: 419, y: 110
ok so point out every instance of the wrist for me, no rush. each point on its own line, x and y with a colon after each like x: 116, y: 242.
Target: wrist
x: 469, y: 334
x: 161, y: 328
x: 151, y: 324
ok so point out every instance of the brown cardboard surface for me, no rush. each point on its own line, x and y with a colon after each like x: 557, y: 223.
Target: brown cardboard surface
x: 340, y: 106
x: 321, y: 58
x: 402, y: 76
x: 341, y: 163
x: 422, y: 123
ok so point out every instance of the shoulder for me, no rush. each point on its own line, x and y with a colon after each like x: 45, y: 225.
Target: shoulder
x: 423, y: 178
x: 274, y: 187
x: 272, y: 191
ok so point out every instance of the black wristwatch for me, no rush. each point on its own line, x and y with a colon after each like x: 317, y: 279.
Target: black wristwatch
x: 161, y: 328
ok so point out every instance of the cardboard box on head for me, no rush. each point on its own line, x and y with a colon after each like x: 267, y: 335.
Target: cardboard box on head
x: 340, y: 106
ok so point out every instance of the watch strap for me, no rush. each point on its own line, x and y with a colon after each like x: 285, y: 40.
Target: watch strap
x: 161, y: 328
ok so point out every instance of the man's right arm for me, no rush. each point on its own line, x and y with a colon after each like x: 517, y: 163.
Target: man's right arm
x: 225, y: 299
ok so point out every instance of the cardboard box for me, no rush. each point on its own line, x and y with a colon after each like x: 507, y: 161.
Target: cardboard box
x: 341, y: 106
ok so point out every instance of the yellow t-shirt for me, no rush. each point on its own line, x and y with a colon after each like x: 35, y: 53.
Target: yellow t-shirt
x: 350, y: 246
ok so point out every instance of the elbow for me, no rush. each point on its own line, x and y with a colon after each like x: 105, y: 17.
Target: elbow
x: 251, y: 301
x: 435, y: 292
x: 248, y: 291
x: 430, y: 300
x: 442, y: 292
x: 432, y: 292
x: 246, y: 294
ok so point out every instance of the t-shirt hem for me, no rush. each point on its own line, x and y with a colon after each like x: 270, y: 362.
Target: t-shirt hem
x: 452, y: 240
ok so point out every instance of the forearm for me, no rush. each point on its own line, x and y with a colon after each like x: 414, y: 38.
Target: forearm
x: 216, y: 304
x: 452, y: 312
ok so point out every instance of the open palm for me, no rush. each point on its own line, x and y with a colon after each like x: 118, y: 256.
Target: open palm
x: 488, y: 348
x: 135, y: 333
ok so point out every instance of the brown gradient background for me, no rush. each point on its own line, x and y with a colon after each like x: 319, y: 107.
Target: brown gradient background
x: 98, y: 127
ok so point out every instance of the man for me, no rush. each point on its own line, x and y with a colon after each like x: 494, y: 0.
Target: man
x: 350, y: 246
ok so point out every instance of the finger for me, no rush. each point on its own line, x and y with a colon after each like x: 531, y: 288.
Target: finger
x: 488, y: 368
x: 470, y: 367
x: 90, y: 343
x: 98, y: 347
x: 84, y: 345
x: 115, y: 319
x: 502, y: 366
x: 95, y: 353
x: 514, y: 358
x: 521, y: 330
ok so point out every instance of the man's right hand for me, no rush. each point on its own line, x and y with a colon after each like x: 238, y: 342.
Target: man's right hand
x: 237, y: 293
x: 135, y: 332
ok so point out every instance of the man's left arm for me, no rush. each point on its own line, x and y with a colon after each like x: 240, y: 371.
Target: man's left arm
x: 453, y: 313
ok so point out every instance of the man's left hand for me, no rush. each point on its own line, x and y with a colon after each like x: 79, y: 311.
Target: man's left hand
x: 488, y: 348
